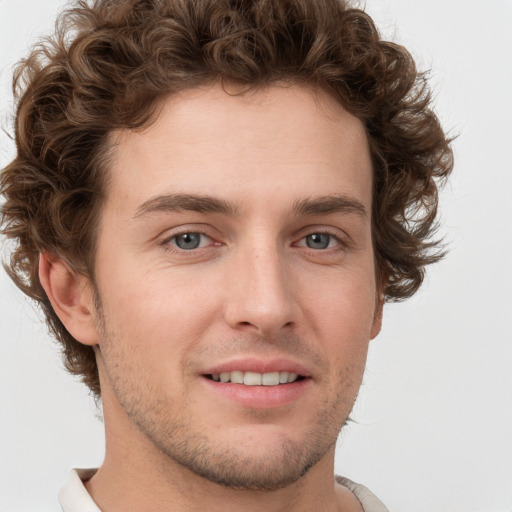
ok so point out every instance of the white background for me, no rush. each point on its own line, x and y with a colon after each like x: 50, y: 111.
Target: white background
x: 434, y: 416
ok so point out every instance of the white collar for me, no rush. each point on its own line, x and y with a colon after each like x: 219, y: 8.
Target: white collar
x: 73, y: 497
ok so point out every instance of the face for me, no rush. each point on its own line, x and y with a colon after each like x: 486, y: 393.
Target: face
x: 235, y: 272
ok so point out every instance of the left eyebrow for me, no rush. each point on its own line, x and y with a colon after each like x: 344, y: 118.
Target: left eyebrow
x: 330, y: 205
x: 186, y: 202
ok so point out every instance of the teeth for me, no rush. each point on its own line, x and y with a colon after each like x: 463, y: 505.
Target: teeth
x: 270, y: 379
x: 255, y: 379
x: 252, y: 379
x: 237, y: 377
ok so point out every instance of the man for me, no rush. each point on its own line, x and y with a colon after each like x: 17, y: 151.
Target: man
x: 212, y: 201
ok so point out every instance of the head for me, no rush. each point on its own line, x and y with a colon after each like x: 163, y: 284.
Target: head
x: 116, y: 69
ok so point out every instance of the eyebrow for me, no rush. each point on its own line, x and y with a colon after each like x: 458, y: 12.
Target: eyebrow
x: 186, y: 202
x: 327, y: 205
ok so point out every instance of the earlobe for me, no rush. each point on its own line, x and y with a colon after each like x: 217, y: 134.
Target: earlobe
x: 377, y: 318
x: 71, y: 297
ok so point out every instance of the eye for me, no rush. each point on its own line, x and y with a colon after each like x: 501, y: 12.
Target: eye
x: 319, y: 241
x: 190, y: 241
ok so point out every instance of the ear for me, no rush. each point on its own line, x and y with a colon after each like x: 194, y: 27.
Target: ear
x: 71, y: 297
x: 377, y: 317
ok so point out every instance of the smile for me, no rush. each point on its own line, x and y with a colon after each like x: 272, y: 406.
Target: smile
x: 255, y: 378
x: 258, y: 383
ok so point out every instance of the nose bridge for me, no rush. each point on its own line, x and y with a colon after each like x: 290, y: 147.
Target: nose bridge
x: 261, y: 293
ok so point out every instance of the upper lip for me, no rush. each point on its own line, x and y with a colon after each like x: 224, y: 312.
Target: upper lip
x: 258, y: 366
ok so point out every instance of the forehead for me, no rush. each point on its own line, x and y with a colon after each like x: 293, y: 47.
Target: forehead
x: 287, y: 142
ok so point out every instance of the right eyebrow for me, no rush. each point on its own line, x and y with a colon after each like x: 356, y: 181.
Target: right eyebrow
x: 186, y: 202
x: 328, y: 205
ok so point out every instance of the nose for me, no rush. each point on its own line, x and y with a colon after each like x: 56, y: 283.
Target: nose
x: 261, y: 297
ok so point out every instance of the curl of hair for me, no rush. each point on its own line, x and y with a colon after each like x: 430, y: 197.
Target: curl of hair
x: 111, y: 60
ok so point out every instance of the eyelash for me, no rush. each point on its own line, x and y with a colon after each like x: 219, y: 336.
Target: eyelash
x: 341, y: 244
x: 167, y: 245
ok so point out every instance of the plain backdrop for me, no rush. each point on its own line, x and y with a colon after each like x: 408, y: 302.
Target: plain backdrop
x: 433, y: 429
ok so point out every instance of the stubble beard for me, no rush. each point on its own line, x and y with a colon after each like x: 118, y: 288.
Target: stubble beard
x: 236, y: 467
x: 182, y: 442
x: 275, y: 467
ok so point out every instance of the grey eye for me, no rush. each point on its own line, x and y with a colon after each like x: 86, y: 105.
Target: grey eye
x: 188, y: 241
x: 318, y: 241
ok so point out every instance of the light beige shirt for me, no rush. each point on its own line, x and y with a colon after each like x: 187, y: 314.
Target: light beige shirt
x: 74, y: 497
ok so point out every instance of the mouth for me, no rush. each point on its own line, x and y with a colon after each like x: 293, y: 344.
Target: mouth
x: 255, y: 378
x: 257, y: 384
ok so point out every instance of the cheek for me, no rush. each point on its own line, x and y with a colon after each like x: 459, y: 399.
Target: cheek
x: 345, y: 303
x: 159, y: 314
x: 343, y: 316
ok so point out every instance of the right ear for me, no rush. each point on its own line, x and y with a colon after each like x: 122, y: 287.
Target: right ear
x: 71, y: 296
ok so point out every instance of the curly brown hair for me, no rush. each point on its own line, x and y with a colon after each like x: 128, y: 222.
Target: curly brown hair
x: 111, y: 60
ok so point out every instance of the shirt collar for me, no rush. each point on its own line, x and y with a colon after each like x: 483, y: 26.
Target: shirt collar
x: 73, y: 497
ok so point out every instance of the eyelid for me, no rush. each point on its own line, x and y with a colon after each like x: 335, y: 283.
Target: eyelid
x: 339, y: 242
x: 339, y: 235
x: 166, y: 241
x: 201, y: 240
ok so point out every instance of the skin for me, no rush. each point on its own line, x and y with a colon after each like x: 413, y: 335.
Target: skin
x: 259, y: 285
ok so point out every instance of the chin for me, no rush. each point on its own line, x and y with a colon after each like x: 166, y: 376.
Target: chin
x: 258, y: 468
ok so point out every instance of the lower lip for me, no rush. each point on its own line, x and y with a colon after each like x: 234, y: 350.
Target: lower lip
x: 260, y: 397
